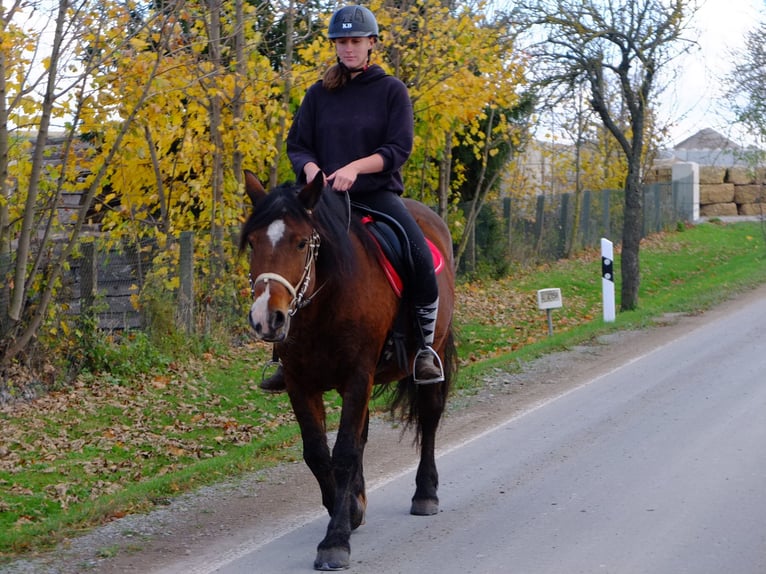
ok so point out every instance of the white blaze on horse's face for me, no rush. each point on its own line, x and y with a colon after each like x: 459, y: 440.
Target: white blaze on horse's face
x: 259, y: 311
x: 276, y: 231
x: 269, y: 321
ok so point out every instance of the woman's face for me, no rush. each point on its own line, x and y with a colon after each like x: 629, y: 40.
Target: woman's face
x: 353, y: 51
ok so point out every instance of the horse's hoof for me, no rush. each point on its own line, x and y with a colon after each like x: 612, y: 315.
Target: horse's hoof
x: 424, y: 507
x: 331, y: 559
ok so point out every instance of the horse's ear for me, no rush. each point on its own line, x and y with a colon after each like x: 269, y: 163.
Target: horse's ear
x: 253, y: 187
x: 309, y: 195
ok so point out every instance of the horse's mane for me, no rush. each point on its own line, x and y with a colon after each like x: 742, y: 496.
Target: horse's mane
x: 330, y: 217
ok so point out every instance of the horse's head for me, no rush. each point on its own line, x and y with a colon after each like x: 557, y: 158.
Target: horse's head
x: 284, y: 244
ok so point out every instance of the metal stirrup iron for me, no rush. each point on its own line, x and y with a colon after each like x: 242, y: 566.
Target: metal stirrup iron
x: 428, y: 350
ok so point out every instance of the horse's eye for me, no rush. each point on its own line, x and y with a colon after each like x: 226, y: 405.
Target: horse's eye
x: 302, y: 244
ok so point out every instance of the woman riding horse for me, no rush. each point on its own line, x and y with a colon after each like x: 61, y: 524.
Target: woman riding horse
x: 356, y: 127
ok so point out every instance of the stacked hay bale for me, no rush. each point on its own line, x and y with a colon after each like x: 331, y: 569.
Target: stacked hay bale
x: 731, y: 191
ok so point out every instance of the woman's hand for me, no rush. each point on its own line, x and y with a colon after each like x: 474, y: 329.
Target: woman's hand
x: 343, y: 179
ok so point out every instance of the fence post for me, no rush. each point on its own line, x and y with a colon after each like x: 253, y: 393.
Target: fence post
x: 508, y: 224
x: 606, y: 215
x: 186, y: 289
x: 686, y: 186
x: 539, y: 222
x: 88, y: 279
x: 564, y: 227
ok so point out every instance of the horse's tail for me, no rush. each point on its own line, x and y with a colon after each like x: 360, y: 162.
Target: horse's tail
x: 414, y: 405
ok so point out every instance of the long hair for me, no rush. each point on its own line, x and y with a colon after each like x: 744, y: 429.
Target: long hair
x: 335, y: 77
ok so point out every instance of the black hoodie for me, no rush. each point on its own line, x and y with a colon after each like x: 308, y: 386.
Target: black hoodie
x: 372, y: 113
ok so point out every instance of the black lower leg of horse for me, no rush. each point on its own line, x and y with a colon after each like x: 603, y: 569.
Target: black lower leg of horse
x: 430, y: 399
x: 334, y: 551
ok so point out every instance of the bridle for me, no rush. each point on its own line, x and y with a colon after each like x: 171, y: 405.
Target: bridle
x: 298, y: 292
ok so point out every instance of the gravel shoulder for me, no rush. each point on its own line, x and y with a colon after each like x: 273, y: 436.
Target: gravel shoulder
x: 208, y: 525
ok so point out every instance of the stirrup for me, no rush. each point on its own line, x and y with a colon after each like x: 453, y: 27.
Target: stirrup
x: 428, y: 350
x: 267, y: 365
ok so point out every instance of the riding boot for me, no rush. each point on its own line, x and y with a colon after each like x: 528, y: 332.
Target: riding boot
x: 427, y: 367
x: 276, y: 382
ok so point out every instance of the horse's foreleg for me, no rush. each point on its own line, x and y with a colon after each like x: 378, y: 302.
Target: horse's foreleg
x: 310, y: 413
x: 334, y: 551
x: 430, y: 406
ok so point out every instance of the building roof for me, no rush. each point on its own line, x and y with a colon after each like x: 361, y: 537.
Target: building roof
x: 708, y: 139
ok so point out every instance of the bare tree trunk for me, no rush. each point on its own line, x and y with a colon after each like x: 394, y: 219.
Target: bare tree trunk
x: 5, y: 188
x: 5, y: 194
x: 238, y: 105
x: 215, y: 110
x: 579, y: 137
x: 445, y: 175
x: 631, y: 239
x: 287, y: 87
x: 18, y: 293
x: 483, y: 188
x: 161, y: 199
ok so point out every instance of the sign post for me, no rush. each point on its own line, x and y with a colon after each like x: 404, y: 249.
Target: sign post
x: 549, y: 299
x: 607, y: 279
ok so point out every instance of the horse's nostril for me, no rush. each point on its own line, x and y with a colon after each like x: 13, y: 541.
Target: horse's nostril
x: 256, y: 325
x: 278, y: 320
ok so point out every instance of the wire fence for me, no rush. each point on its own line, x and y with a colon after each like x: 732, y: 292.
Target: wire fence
x: 549, y: 227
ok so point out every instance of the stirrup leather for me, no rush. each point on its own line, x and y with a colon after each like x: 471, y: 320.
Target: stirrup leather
x: 427, y: 350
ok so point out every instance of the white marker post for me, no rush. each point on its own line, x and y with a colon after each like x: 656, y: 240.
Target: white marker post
x: 607, y: 279
x: 549, y: 299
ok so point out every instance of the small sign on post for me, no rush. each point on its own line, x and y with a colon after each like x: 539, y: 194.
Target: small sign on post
x: 549, y: 299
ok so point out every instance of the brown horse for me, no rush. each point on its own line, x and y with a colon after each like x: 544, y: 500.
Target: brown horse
x: 320, y: 293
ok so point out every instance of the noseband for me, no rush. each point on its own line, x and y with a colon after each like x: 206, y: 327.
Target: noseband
x: 298, y: 292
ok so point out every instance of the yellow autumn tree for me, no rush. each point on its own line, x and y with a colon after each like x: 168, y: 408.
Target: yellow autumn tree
x: 174, y: 99
x: 457, y: 65
x: 53, y: 87
x: 208, y: 114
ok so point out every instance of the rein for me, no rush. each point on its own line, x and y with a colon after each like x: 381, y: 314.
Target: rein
x: 298, y: 293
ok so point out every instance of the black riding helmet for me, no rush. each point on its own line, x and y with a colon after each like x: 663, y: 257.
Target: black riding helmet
x: 352, y: 22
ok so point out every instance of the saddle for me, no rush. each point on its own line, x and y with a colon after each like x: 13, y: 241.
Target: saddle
x: 392, y: 250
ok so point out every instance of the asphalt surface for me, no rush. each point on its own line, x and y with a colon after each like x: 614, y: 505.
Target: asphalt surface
x: 656, y: 466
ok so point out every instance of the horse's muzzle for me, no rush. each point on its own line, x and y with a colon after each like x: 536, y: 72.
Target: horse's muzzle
x: 271, y: 327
